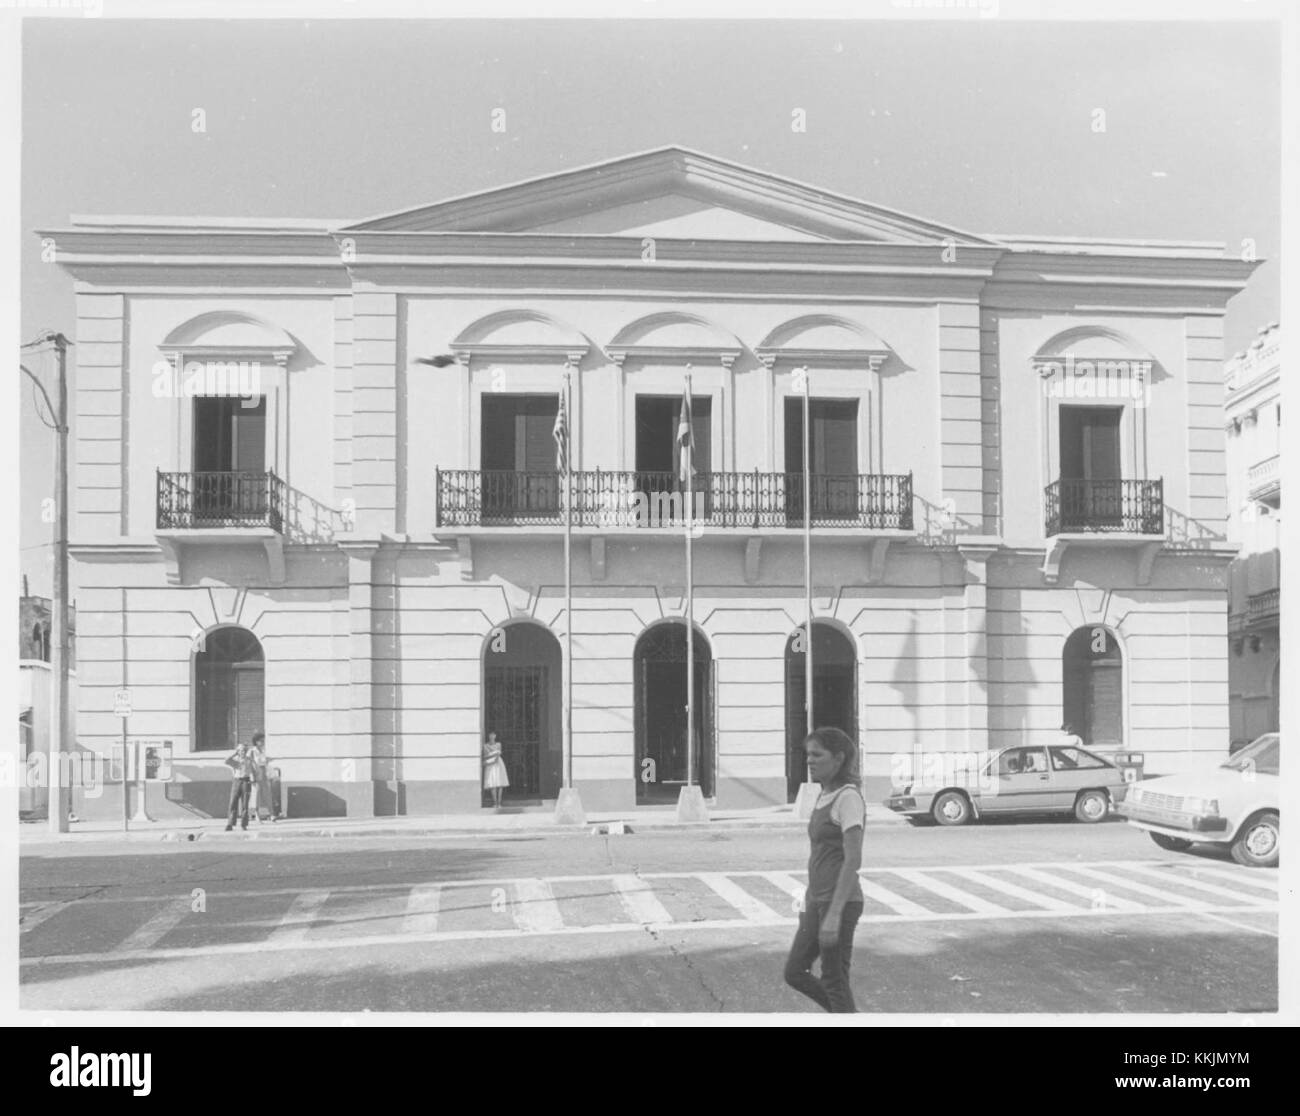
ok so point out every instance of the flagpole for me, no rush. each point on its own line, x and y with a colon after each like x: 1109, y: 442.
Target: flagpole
x: 807, y: 795
x: 690, y: 603
x: 807, y: 557
x: 568, y: 593
x: 568, y: 808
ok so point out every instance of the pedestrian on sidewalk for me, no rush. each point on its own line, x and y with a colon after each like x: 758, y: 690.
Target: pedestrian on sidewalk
x: 833, y: 902
x: 495, y: 778
x: 263, y: 802
x: 242, y: 771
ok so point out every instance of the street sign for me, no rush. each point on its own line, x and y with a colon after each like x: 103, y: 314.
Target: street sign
x: 121, y: 703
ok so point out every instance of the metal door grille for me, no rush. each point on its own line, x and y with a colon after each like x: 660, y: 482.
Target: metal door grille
x: 515, y: 710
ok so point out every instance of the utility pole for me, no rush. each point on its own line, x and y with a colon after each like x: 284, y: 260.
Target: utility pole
x: 58, y: 793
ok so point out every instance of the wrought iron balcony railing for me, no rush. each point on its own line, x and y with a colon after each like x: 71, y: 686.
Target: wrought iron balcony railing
x: 633, y: 498
x: 188, y: 501
x: 1119, y: 506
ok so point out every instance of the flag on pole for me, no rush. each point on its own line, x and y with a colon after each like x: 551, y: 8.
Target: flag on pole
x: 685, y: 440
x: 560, y: 433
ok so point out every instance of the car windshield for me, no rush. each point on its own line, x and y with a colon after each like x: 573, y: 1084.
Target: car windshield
x: 1262, y: 755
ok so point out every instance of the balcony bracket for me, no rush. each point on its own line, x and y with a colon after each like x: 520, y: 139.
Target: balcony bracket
x: 274, y: 547
x: 876, y: 555
x: 598, y: 558
x: 465, y: 551
x: 171, y: 559
x: 1146, y: 558
x: 1052, y: 561
x: 753, y: 554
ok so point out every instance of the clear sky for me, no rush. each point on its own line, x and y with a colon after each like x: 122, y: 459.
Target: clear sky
x: 986, y: 125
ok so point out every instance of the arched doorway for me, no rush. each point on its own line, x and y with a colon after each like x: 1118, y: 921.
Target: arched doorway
x: 659, y: 665
x: 522, y: 704
x: 835, y: 689
x: 1092, y: 674
x: 229, y: 690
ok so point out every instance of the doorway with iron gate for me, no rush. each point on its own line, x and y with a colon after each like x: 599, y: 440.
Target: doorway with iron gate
x: 659, y: 663
x: 835, y: 689
x: 522, y: 673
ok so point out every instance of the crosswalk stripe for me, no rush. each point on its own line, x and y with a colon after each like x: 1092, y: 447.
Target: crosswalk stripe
x: 157, y: 927
x: 43, y: 914
x: 754, y: 910
x: 1251, y: 877
x: 298, y: 918
x: 422, y: 906
x: 1184, y: 902
x: 893, y: 901
x: 1095, y: 895
x: 640, y: 901
x: 947, y: 891
x: 1047, y: 902
x: 787, y: 883
x: 1186, y: 881
x: 535, y: 909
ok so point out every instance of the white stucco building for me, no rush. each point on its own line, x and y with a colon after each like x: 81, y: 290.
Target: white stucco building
x: 1018, y: 460
x: 1253, y: 412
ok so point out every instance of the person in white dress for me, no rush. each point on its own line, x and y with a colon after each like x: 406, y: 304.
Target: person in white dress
x: 495, y: 778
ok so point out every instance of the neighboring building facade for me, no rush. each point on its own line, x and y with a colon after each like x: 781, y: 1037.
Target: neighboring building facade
x: 1017, y: 458
x: 1253, y: 413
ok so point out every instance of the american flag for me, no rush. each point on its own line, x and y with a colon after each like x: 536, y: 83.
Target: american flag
x: 685, y: 440
x: 560, y: 433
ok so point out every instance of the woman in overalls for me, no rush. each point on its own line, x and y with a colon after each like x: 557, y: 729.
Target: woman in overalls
x: 833, y: 902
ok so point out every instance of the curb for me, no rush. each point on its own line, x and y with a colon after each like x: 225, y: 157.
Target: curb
x: 629, y: 826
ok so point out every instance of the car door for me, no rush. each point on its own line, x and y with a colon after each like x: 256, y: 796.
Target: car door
x: 1023, y: 782
x: 1073, y: 770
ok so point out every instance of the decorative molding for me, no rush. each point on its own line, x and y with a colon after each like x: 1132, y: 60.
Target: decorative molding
x: 753, y: 558
x: 1145, y: 559
x: 877, y: 553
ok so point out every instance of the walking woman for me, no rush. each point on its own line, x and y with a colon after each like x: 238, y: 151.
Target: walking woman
x: 833, y: 903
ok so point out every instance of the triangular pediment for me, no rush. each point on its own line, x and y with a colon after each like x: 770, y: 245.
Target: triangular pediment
x: 670, y: 193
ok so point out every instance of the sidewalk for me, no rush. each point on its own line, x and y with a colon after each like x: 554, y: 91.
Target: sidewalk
x: 532, y: 820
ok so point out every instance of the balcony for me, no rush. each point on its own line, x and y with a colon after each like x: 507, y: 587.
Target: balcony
x: 1264, y: 607
x: 1133, y: 507
x: 1264, y: 481
x: 221, y: 508
x: 632, y: 499
x: 195, y: 501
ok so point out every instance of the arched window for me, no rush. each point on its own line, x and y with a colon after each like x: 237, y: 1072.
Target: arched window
x: 229, y: 702
x: 1093, y: 687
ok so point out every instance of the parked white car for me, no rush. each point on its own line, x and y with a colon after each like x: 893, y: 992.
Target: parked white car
x: 1235, y: 806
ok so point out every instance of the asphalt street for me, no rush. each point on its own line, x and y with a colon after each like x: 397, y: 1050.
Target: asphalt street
x: 1008, y: 917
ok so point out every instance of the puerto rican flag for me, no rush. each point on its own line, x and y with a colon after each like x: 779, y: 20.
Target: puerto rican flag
x: 560, y: 432
x: 685, y: 441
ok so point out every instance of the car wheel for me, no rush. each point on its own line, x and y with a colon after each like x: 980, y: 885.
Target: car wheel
x: 1256, y: 845
x: 951, y: 808
x: 1092, y: 806
x: 1172, y: 844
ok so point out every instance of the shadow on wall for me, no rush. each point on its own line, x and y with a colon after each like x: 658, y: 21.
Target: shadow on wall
x: 1190, y: 534
x: 307, y: 520
x: 940, y: 525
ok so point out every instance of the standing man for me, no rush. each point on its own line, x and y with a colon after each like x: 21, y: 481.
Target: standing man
x: 242, y: 766
x: 264, y: 807
x: 1069, y: 738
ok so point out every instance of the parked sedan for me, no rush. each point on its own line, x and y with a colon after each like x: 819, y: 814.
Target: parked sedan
x: 1018, y: 780
x: 1235, y: 806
